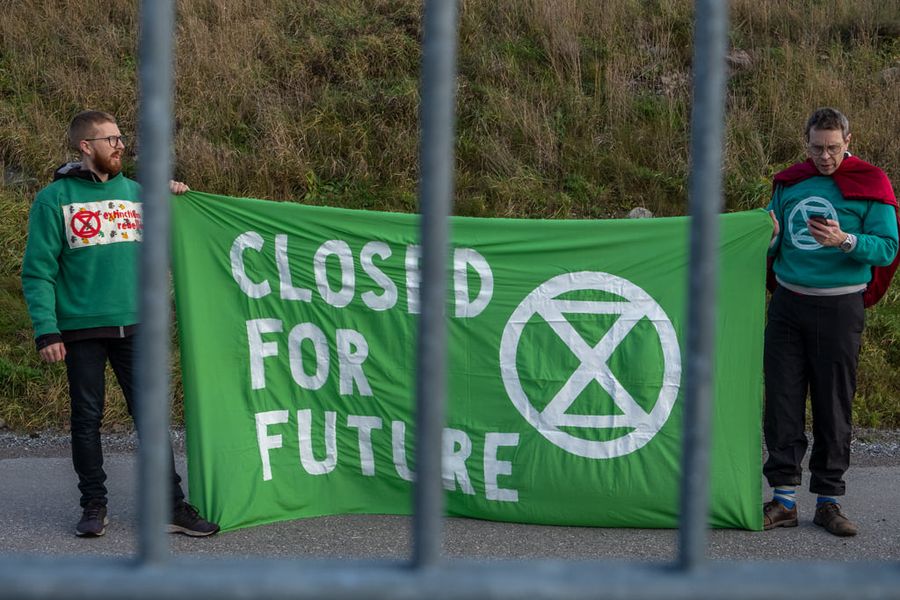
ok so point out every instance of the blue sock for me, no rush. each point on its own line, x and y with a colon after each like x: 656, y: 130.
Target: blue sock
x: 786, y: 495
x: 823, y: 499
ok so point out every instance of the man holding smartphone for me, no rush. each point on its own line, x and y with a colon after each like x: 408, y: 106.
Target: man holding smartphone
x: 836, y: 222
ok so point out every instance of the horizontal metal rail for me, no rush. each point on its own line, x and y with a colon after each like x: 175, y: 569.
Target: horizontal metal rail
x: 100, y: 579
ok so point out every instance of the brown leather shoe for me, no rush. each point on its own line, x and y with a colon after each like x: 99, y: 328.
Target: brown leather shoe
x: 829, y: 516
x: 775, y: 514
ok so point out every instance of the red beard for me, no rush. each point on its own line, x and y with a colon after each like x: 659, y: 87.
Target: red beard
x: 111, y: 165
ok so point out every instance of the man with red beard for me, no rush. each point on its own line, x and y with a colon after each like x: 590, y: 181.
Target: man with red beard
x: 80, y: 281
x: 834, y: 251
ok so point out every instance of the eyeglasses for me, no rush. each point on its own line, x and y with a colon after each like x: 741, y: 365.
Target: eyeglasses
x: 832, y: 149
x: 112, y: 140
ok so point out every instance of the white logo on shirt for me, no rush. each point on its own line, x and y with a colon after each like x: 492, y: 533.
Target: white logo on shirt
x: 102, y: 222
x: 814, y: 206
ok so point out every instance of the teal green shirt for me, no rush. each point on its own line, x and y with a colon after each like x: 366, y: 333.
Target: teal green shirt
x: 81, y: 259
x: 800, y: 260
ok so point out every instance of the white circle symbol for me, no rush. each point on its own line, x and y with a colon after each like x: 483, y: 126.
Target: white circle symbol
x: 814, y: 206
x: 636, y: 305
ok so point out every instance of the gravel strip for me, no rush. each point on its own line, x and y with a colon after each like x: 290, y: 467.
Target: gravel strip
x: 55, y: 444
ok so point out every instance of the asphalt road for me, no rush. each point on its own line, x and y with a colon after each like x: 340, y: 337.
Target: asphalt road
x: 40, y: 509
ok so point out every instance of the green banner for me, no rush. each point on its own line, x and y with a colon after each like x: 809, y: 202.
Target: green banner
x: 566, y: 365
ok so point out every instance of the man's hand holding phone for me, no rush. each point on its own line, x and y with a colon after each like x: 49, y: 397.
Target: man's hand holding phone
x: 826, y: 231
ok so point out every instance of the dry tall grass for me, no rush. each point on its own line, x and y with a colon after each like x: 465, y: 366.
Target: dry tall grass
x: 566, y: 108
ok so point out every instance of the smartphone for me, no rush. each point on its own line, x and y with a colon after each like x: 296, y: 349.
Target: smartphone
x: 819, y: 219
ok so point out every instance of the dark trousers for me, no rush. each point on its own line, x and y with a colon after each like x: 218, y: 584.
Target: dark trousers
x: 85, y: 365
x: 812, y: 345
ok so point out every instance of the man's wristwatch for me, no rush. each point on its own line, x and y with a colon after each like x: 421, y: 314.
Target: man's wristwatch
x: 849, y: 243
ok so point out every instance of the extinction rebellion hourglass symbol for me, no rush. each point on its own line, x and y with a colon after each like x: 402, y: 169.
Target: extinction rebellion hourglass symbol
x: 630, y: 306
x: 85, y: 224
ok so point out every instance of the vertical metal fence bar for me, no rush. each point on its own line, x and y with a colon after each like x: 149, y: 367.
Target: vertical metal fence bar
x: 436, y: 159
x: 707, y: 127
x: 154, y: 170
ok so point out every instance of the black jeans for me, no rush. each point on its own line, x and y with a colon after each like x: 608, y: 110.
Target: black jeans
x: 85, y: 365
x: 812, y: 344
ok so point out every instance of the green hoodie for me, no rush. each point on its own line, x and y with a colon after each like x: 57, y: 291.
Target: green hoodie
x: 81, y: 261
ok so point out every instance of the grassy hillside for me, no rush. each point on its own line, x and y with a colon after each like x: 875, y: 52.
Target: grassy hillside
x: 566, y: 109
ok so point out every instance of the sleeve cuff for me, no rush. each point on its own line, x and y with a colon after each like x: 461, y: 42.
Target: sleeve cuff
x: 42, y: 341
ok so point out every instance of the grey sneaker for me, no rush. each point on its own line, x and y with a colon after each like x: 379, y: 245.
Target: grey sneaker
x: 93, y: 520
x: 829, y: 516
x: 186, y: 520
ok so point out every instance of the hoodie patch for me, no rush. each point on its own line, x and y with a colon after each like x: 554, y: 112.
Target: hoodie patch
x: 102, y: 222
